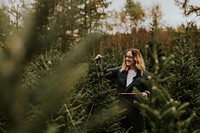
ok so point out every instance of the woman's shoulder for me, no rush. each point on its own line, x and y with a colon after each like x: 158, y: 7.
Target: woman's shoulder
x: 114, y: 68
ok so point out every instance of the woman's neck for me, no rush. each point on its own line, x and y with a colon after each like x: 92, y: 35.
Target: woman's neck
x: 132, y: 67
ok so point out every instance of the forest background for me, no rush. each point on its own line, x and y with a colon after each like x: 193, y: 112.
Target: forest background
x: 50, y: 83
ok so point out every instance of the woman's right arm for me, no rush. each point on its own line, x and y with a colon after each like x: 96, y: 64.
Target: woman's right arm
x: 110, y: 73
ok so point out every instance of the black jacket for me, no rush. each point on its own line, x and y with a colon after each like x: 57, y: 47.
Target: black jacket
x: 120, y: 77
x: 133, y: 113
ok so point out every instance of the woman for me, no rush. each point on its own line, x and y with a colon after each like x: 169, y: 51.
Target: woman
x: 129, y: 79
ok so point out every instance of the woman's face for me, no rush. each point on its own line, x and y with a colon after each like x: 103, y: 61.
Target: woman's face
x: 129, y: 59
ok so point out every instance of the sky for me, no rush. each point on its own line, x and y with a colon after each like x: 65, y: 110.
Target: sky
x: 172, y: 14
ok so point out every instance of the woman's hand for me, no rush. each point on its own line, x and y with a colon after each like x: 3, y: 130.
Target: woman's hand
x: 144, y: 94
x: 98, y: 57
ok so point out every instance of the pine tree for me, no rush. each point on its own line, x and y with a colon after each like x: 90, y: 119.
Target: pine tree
x: 57, y: 85
x: 134, y: 12
x: 154, y: 45
x: 162, y: 112
x: 92, y: 107
x: 161, y: 109
x: 185, y: 84
x: 71, y: 20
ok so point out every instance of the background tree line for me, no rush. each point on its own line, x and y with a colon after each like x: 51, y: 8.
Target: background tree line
x: 50, y: 83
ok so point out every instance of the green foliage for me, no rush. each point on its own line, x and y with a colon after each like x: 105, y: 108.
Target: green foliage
x: 44, y: 89
x: 91, y: 14
x: 184, y: 86
x: 36, y: 26
x: 4, y: 24
x: 90, y: 107
x: 63, y: 23
x: 155, y: 53
x: 36, y: 71
x: 49, y: 83
x: 65, y: 76
x: 134, y: 11
x: 72, y: 19
x: 163, y: 113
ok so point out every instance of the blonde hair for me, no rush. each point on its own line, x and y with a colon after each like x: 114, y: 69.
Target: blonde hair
x: 139, y: 62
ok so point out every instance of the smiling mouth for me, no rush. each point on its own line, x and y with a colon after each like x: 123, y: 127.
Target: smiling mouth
x: 128, y: 61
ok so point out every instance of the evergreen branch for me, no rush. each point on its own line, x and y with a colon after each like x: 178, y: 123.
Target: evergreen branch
x: 70, y: 117
x: 88, y: 118
x: 2, y: 130
x: 99, y: 70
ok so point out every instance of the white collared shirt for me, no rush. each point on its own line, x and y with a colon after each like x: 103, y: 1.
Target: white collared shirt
x: 130, y: 75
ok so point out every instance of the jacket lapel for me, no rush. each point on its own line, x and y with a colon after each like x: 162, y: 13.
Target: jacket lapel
x: 131, y: 84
